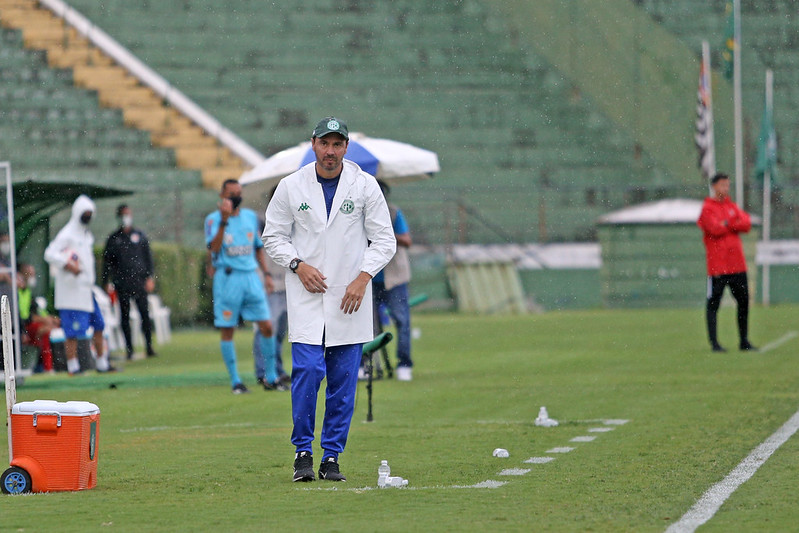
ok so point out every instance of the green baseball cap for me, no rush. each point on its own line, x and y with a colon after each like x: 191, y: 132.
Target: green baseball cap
x: 331, y: 125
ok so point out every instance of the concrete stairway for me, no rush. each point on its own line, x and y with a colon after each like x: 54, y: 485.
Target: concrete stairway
x: 142, y: 108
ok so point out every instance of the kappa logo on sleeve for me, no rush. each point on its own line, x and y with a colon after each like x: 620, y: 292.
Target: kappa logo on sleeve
x: 304, y: 207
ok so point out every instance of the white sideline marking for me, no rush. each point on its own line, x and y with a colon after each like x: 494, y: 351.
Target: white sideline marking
x: 514, y: 472
x: 563, y: 449
x: 172, y: 428
x: 710, y: 502
x: 600, y: 430
x: 779, y: 342
x: 539, y: 460
x: 616, y: 422
x: 488, y: 484
x: 583, y: 439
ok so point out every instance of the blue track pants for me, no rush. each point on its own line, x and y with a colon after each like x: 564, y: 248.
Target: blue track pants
x: 310, y: 365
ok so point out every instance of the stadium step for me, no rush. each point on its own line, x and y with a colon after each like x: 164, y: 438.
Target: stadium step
x: 142, y: 108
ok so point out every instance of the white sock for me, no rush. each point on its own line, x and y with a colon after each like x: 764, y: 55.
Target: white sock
x: 73, y: 365
x: 102, y: 362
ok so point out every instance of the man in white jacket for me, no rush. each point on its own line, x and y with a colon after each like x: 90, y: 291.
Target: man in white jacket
x: 72, y: 258
x: 329, y: 224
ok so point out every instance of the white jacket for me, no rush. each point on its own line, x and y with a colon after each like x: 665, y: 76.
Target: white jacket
x: 357, y: 237
x: 73, y: 291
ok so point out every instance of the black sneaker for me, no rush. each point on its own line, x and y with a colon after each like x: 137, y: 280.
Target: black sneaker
x: 747, y: 347
x: 239, y: 388
x: 719, y: 348
x: 303, y: 467
x: 329, y: 470
x: 285, y: 379
x: 276, y: 386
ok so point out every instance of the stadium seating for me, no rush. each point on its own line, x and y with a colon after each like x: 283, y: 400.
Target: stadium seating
x: 526, y: 155
x: 429, y: 74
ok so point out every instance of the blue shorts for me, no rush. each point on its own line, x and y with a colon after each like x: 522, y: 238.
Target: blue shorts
x: 76, y: 323
x: 238, y: 294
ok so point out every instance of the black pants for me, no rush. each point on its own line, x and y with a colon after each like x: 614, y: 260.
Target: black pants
x: 140, y: 297
x: 739, y: 287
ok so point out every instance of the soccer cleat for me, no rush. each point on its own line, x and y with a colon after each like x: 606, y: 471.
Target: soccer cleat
x: 239, y: 388
x: 404, y: 373
x: 747, y: 347
x: 276, y: 386
x: 303, y: 467
x: 329, y: 470
x: 285, y: 379
x: 719, y: 348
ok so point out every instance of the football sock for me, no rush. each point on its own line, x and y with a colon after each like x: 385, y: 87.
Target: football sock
x: 268, y: 353
x: 73, y: 365
x: 102, y: 363
x: 229, y: 356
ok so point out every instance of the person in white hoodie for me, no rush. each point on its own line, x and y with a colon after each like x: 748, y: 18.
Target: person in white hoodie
x: 71, y: 257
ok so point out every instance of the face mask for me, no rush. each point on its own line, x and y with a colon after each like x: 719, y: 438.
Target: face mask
x: 236, y: 201
x: 127, y: 221
x: 31, y: 283
x: 5, y: 247
x: 86, y: 218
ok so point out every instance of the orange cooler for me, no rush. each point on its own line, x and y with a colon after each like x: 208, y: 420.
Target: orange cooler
x: 56, y: 443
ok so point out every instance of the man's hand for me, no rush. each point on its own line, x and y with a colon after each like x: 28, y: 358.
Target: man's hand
x: 353, y: 297
x: 225, y: 208
x: 311, y: 278
x: 72, y: 266
x: 149, y: 285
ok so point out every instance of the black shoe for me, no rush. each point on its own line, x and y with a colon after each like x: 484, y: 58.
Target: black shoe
x: 303, y: 467
x: 276, y: 386
x: 747, y: 347
x: 151, y: 353
x: 239, y: 388
x: 719, y: 348
x: 285, y: 379
x: 329, y: 470
x: 130, y: 356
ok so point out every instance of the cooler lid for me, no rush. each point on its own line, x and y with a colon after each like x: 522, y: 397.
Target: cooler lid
x: 52, y: 406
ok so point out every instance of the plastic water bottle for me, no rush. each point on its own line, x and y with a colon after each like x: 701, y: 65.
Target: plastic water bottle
x: 383, y: 472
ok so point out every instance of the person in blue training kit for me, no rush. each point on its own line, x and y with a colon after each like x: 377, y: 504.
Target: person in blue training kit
x: 328, y: 223
x: 390, y: 288
x: 231, y: 234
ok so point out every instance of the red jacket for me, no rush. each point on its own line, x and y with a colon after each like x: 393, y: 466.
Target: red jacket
x: 722, y: 221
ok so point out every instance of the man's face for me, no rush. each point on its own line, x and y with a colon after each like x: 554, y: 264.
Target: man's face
x: 329, y: 151
x: 722, y: 189
x: 231, y: 190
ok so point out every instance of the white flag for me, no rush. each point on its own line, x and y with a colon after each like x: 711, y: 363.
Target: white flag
x: 703, y: 138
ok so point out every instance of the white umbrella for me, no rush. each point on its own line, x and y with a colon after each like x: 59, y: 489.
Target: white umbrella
x: 392, y: 161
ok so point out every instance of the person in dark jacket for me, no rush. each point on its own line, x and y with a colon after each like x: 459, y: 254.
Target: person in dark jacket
x: 128, y: 269
x: 722, y: 222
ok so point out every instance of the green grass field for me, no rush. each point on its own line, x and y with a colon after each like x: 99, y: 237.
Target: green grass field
x: 178, y: 452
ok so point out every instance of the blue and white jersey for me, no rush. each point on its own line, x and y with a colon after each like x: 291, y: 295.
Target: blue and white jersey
x: 242, y: 239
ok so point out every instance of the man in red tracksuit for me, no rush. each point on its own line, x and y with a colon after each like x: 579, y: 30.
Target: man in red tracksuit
x: 721, y: 221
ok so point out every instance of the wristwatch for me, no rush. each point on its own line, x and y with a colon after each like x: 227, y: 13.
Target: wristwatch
x: 294, y: 265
